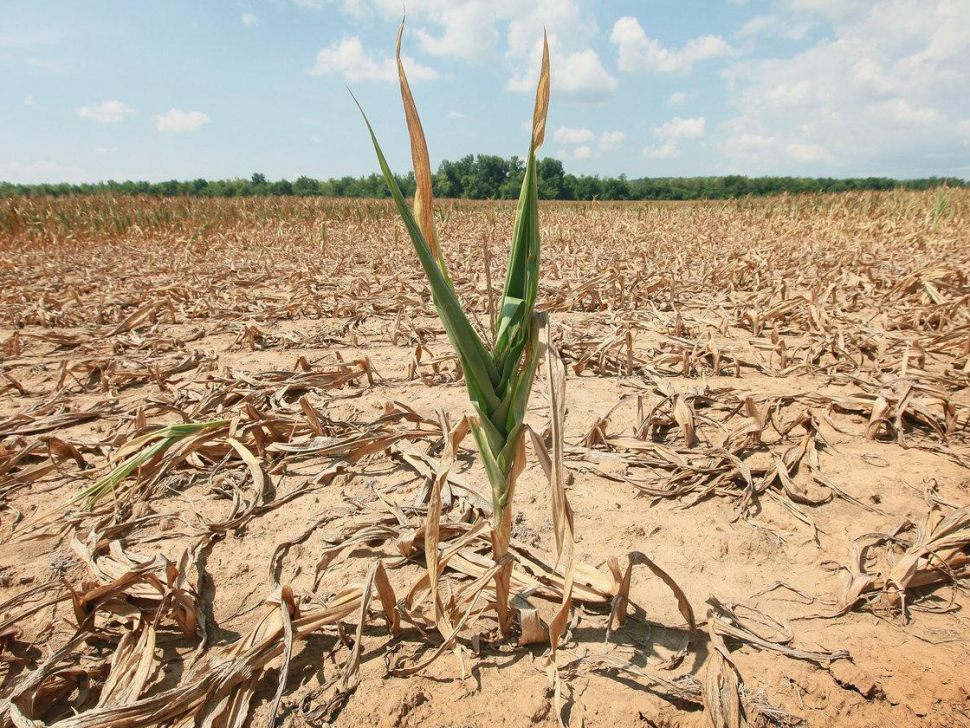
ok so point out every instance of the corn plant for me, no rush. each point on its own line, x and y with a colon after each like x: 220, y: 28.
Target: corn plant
x: 166, y: 437
x: 499, y: 376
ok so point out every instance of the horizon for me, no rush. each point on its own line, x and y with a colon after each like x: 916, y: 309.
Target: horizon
x: 406, y: 173
x: 799, y: 88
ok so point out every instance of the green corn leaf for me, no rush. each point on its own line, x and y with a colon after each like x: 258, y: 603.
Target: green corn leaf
x: 475, y: 358
x: 497, y: 476
x: 511, y: 314
x: 169, y: 436
x: 521, y: 278
x: 499, y: 380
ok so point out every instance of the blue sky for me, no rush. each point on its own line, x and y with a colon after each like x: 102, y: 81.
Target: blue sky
x: 98, y: 89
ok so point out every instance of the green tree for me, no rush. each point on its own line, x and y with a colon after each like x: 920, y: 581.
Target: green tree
x: 551, y: 179
x: 305, y: 186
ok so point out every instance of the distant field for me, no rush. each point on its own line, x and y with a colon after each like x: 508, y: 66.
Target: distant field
x: 767, y: 397
x: 106, y: 216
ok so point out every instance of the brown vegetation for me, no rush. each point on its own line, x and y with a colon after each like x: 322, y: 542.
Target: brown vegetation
x: 766, y: 413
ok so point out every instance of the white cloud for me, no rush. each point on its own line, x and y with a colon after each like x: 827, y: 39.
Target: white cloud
x: 807, y: 152
x: 672, y: 133
x: 679, y: 98
x: 315, y: 140
x: 576, y: 76
x: 467, y: 31
x: 38, y: 172
x: 249, y: 19
x: 794, y: 94
x: 873, y: 78
x: 638, y: 52
x: 678, y: 128
x: 582, y: 152
x: 751, y: 142
x: 349, y: 58
x: 668, y: 150
x: 902, y: 111
x: 177, y: 121
x: 29, y: 101
x: 456, y: 115
x: 564, y: 21
x: 582, y: 139
x: 475, y: 29
x: 571, y: 136
x: 582, y: 77
x: 493, y: 31
x: 610, y: 141
x: 107, y: 112
x: 778, y: 26
x: 105, y: 150
x: 881, y: 93
x: 830, y: 8
x: 359, y: 9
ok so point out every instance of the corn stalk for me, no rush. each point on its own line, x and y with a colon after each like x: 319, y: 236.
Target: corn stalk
x: 498, y: 377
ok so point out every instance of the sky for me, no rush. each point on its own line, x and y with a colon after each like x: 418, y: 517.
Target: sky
x: 163, y: 89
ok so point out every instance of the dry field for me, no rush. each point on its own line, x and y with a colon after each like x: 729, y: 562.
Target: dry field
x: 766, y: 446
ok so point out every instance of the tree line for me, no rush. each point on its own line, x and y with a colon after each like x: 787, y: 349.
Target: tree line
x: 486, y: 176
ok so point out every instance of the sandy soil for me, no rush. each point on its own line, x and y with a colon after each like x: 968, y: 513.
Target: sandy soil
x: 140, y: 328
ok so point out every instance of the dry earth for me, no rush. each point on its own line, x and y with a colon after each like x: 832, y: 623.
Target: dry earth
x: 766, y: 398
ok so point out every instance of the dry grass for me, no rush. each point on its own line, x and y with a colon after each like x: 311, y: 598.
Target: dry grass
x: 740, y: 368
